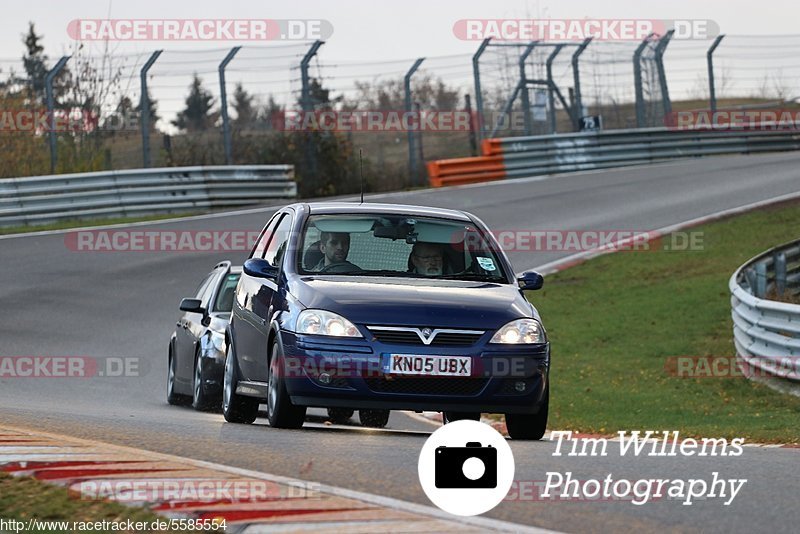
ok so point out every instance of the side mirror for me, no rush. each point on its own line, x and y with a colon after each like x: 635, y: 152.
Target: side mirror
x: 193, y: 306
x: 260, y: 268
x: 530, y: 281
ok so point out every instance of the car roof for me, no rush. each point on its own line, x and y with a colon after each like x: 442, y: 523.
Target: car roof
x: 226, y: 264
x: 330, y: 208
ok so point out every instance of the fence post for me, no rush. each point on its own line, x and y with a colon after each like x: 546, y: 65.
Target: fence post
x: 223, y: 102
x: 412, y: 153
x: 305, y: 95
x: 662, y: 75
x: 712, y: 90
x: 523, y: 83
x: 476, y: 73
x: 576, y: 82
x: 418, y: 107
x: 473, y: 142
x: 551, y: 101
x: 760, y: 289
x: 144, y: 108
x: 637, y: 81
x: 48, y: 86
x: 308, y: 106
x: 779, y: 264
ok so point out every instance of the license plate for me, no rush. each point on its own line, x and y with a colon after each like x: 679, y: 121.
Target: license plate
x: 414, y: 364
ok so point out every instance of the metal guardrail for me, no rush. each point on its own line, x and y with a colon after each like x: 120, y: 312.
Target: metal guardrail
x: 516, y: 157
x: 526, y: 156
x: 43, y: 199
x: 767, y: 332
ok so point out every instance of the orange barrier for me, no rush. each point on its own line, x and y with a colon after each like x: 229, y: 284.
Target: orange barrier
x: 465, y: 170
x: 491, y: 147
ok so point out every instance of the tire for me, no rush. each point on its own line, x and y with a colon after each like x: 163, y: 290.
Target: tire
x: 340, y: 415
x: 373, y: 418
x: 449, y: 417
x: 175, y: 399
x: 236, y: 408
x: 529, y: 426
x: 280, y: 410
x: 201, y: 400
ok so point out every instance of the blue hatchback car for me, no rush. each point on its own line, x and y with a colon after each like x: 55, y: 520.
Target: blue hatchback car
x: 379, y: 307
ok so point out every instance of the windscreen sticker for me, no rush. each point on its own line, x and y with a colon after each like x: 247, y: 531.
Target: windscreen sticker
x: 486, y: 264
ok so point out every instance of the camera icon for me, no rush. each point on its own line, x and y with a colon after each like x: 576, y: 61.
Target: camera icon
x: 473, y: 466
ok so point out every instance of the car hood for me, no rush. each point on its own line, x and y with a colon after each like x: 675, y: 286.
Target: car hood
x: 414, y: 302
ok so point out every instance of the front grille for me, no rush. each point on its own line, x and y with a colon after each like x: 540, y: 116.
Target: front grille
x: 410, y: 337
x: 449, y: 386
x: 461, y: 340
x: 392, y: 336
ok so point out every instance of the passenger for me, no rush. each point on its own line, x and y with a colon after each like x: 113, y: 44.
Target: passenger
x: 427, y: 259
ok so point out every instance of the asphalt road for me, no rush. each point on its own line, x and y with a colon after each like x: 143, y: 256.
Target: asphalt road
x: 55, y: 301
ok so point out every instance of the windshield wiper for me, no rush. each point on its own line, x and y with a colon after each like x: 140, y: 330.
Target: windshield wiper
x: 392, y: 272
x: 473, y: 277
x: 378, y: 272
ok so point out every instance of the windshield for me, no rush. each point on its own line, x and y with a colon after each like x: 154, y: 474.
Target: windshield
x: 224, y: 302
x: 397, y: 245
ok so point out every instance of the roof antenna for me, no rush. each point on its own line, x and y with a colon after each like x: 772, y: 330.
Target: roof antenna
x: 361, y: 160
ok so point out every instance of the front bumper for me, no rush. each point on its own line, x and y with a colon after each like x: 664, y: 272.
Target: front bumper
x: 504, y: 379
x: 213, y: 369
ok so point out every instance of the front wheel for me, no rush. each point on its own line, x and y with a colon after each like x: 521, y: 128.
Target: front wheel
x: 236, y: 408
x: 529, y: 426
x: 201, y: 400
x: 373, y: 418
x: 280, y: 410
x: 175, y: 399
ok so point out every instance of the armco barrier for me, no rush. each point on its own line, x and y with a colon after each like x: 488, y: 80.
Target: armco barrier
x: 43, y: 199
x: 767, y: 332
x: 553, y: 154
x: 465, y: 170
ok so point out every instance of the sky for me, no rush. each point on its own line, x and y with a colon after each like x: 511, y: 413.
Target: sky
x: 364, y: 31
x: 378, y: 29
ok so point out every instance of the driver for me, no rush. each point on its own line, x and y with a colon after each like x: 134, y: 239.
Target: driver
x: 427, y: 259
x: 334, y: 247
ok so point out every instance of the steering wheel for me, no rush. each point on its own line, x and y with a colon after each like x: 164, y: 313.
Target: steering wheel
x: 342, y: 267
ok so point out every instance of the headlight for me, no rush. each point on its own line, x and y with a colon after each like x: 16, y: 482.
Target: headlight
x: 325, y: 323
x: 521, y: 331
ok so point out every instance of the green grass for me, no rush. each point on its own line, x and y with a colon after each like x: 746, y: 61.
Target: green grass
x: 24, y: 498
x: 613, y: 321
x: 62, y: 225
